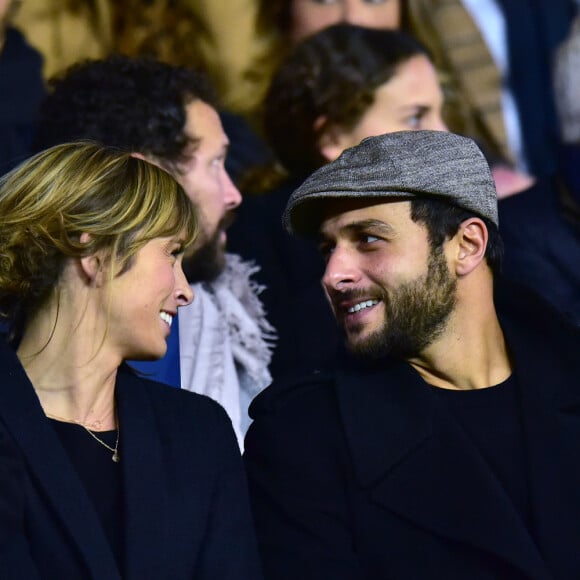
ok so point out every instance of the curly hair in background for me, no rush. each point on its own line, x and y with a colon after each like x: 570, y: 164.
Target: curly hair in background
x: 82, y: 105
x: 162, y: 29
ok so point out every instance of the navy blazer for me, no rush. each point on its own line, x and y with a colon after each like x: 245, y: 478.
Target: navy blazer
x: 186, y: 510
x: 364, y: 474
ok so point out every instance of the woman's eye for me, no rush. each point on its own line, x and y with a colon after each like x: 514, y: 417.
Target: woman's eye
x: 175, y: 252
x: 414, y: 122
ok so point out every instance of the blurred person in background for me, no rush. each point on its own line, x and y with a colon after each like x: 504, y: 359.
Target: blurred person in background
x: 566, y: 90
x: 66, y: 31
x: 495, y: 60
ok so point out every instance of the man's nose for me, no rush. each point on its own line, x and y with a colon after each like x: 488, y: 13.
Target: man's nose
x: 232, y: 196
x: 341, y: 269
x: 183, y: 290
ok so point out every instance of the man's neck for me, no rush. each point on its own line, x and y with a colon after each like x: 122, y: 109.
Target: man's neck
x: 472, y: 354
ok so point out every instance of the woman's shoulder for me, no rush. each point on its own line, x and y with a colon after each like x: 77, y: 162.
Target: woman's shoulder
x: 191, y: 427
x: 171, y: 402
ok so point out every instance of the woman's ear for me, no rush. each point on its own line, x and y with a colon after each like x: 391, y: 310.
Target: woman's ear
x: 329, y: 146
x: 91, y: 264
x: 330, y: 143
x: 471, y: 240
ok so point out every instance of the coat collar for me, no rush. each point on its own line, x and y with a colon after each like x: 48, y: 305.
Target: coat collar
x: 414, y: 459
x: 141, y: 461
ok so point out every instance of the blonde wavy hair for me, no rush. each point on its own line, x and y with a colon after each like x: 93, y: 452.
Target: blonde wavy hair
x: 51, y: 199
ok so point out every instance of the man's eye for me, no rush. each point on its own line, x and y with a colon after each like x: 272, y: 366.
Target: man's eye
x: 368, y: 239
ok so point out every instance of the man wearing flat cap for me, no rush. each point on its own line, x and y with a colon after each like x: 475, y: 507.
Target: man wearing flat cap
x: 446, y: 444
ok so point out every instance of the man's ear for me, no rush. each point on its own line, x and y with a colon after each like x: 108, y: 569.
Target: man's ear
x: 471, y: 238
x: 150, y: 159
x: 138, y: 155
x: 91, y: 265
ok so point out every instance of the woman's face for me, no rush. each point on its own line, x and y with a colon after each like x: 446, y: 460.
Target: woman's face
x: 145, y: 299
x: 411, y: 100
x: 310, y: 16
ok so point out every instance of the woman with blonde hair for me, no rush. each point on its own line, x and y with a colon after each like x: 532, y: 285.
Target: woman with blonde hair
x: 104, y: 473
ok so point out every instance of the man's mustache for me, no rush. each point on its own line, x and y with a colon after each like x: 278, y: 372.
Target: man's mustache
x: 228, y: 219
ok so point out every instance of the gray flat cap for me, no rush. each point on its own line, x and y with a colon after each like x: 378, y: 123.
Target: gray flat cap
x: 402, y: 164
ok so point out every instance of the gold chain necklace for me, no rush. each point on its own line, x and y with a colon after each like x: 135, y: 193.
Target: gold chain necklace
x: 116, y: 457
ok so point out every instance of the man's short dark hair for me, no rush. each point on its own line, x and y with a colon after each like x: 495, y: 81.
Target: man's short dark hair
x: 135, y: 104
x: 442, y: 221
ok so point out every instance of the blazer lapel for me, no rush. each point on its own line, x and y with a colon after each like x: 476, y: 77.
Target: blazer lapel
x: 51, y: 469
x: 144, y: 477
x: 417, y: 462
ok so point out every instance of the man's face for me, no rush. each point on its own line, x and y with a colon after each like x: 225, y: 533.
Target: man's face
x: 311, y: 16
x: 411, y: 100
x: 204, y: 179
x: 391, y: 293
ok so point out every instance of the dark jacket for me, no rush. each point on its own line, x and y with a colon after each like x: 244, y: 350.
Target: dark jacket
x: 364, y: 473
x: 186, y: 511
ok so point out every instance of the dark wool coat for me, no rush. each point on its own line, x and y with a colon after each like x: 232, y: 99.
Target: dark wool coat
x: 185, y: 496
x: 364, y: 473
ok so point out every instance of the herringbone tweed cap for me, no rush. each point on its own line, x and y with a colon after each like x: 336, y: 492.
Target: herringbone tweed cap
x: 399, y: 165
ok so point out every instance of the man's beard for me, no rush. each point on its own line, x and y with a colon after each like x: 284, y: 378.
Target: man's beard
x: 206, y: 262
x: 416, y: 314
